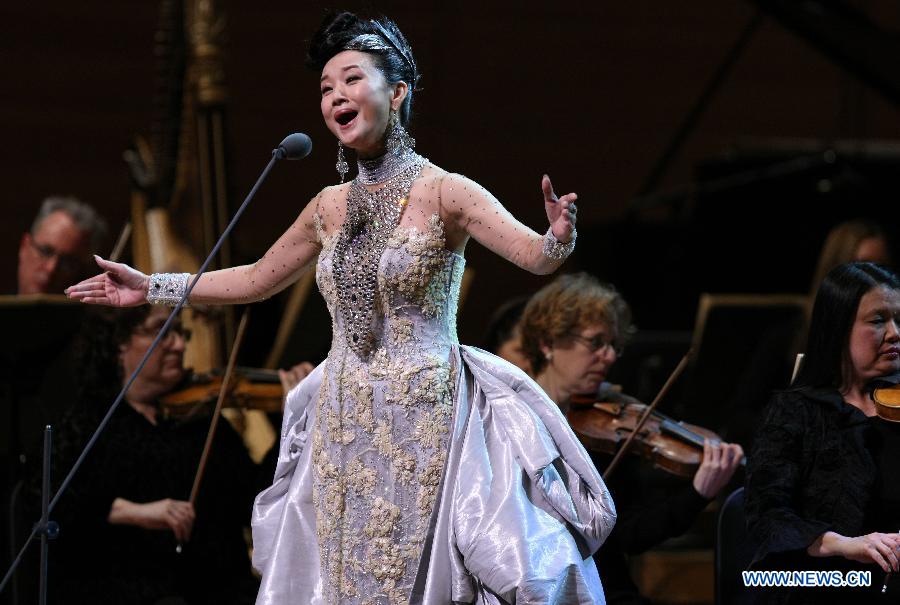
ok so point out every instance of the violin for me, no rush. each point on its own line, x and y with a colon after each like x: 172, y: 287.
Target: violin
x: 672, y: 446
x: 250, y: 388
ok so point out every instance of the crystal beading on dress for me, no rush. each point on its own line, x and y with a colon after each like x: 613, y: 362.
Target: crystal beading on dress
x: 371, y: 218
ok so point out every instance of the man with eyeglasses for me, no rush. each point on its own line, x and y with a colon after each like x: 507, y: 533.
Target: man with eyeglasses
x: 57, y: 250
x: 37, y: 365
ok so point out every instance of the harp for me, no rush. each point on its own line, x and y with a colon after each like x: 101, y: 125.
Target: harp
x: 179, y: 201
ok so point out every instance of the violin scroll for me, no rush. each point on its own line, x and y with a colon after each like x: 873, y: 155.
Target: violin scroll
x: 887, y: 402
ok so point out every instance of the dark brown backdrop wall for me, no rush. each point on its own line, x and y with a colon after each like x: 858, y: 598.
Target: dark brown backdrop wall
x: 587, y: 92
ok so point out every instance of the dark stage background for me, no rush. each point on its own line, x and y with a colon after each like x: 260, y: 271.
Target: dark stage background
x: 590, y: 93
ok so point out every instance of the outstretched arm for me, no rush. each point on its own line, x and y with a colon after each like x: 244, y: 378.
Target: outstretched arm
x: 473, y: 209
x: 285, y: 261
x: 295, y: 251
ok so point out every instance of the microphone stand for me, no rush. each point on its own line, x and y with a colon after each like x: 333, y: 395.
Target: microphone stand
x: 48, y: 529
x: 294, y: 146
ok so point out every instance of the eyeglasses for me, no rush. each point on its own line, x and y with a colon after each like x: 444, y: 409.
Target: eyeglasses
x: 597, y: 343
x: 174, y: 331
x: 65, y: 262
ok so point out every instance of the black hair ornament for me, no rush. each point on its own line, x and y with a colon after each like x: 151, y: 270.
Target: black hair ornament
x: 391, y: 39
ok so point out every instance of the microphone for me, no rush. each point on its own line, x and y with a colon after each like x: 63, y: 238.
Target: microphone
x: 294, y: 147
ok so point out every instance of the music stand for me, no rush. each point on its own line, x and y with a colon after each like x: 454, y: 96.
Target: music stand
x: 38, y: 330
x: 742, y: 343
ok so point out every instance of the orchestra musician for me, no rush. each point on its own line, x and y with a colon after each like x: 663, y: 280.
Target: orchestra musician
x: 57, y: 250
x: 858, y: 240
x: 771, y: 364
x: 503, y: 337
x: 573, y: 331
x: 36, y: 372
x: 127, y: 508
x: 821, y: 484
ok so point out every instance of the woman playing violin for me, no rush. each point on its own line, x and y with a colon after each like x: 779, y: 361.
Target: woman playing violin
x: 573, y: 331
x: 127, y: 509
x: 821, y: 485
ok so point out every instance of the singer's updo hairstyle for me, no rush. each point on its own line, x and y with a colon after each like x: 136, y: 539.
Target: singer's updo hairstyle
x: 378, y: 37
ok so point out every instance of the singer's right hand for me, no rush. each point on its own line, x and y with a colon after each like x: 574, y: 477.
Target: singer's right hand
x: 118, y: 286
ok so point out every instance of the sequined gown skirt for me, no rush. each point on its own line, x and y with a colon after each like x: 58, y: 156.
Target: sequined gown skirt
x: 425, y: 472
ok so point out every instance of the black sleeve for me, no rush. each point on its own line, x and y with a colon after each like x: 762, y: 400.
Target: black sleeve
x: 647, y: 524
x: 82, y: 511
x: 776, y: 470
x: 648, y: 514
x: 234, y: 479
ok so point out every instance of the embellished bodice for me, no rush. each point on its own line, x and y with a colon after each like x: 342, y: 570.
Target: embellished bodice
x: 383, y: 417
x: 416, y: 299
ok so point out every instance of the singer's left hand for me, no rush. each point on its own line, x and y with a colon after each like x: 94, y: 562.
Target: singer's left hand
x: 561, y: 211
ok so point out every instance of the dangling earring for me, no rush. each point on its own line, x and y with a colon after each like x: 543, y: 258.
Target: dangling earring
x: 341, y: 166
x: 399, y: 142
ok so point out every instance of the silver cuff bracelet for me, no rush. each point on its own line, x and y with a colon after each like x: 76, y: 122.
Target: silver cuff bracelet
x: 555, y: 249
x: 167, y: 288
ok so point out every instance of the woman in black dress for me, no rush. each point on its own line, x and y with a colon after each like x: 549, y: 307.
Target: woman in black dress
x: 821, y: 491
x: 127, y: 509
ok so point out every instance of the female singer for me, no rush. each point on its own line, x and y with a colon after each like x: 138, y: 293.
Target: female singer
x: 412, y: 469
x: 821, y: 488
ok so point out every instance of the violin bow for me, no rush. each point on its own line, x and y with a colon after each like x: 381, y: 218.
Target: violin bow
x: 643, y: 419
x: 223, y: 392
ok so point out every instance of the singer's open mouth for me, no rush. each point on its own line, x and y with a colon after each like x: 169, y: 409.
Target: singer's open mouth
x: 345, y: 118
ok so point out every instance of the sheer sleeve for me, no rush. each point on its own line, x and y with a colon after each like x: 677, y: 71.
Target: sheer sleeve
x: 288, y: 258
x: 473, y: 209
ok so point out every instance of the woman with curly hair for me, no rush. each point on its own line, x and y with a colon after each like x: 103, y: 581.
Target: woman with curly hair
x: 128, y: 508
x: 574, y: 330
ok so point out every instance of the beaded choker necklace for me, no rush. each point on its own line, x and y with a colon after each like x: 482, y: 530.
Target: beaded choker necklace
x: 371, y: 218
x: 388, y: 166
